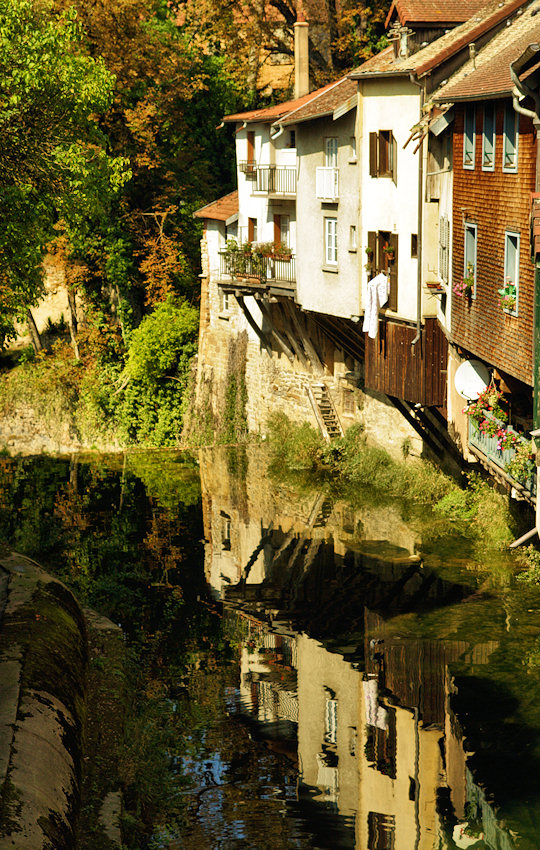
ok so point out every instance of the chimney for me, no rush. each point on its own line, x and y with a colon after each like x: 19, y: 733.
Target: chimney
x: 301, y: 56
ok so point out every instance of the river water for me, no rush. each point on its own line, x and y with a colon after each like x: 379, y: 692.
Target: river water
x: 313, y: 671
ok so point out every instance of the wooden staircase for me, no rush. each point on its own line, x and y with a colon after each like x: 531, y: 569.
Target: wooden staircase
x: 324, y: 411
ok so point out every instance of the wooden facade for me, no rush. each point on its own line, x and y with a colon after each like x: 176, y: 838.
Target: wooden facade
x: 494, y: 203
x: 415, y: 374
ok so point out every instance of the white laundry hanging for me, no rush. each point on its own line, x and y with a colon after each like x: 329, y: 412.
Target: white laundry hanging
x: 377, y: 296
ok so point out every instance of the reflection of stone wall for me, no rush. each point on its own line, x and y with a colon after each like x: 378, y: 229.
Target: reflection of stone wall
x: 251, y: 518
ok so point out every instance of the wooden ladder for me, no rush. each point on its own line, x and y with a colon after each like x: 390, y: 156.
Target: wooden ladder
x: 324, y: 410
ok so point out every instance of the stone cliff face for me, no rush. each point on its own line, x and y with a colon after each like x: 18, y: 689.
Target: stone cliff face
x: 43, y: 661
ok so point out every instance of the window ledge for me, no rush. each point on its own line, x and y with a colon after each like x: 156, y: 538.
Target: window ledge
x: 331, y: 269
x: 224, y: 316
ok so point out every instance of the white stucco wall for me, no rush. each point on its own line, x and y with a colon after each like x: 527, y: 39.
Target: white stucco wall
x: 392, y: 103
x: 319, y: 288
x: 260, y: 205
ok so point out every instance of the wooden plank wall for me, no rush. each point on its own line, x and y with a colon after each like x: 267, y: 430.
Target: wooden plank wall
x: 416, y: 375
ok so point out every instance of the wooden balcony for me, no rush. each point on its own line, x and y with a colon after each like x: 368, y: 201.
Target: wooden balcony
x: 252, y: 274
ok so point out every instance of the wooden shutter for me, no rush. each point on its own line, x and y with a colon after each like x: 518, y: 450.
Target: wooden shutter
x: 372, y: 243
x: 393, y: 158
x: 250, y: 146
x: 393, y: 274
x: 277, y: 229
x: 373, y: 154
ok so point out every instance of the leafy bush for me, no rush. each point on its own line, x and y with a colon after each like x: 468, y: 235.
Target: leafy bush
x: 156, y: 374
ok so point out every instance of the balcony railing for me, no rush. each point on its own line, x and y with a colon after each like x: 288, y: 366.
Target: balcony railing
x: 248, y: 167
x: 276, y: 179
x: 327, y: 184
x: 257, y: 271
x: 500, y: 457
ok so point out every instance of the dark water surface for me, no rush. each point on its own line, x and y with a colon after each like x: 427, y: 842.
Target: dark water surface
x: 310, y: 673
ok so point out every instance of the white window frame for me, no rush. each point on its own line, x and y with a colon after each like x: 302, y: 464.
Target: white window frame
x: 330, y: 241
x: 488, y: 136
x: 513, y: 166
x: 512, y: 234
x: 331, y: 721
x: 331, y: 152
x: 469, y: 133
x: 473, y: 229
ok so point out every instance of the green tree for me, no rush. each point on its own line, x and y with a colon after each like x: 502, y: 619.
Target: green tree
x: 54, y: 168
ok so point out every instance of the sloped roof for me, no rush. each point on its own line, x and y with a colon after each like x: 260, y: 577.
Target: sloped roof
x: 273, y: 113
x: 433, y: 11
x: 326, y: 101
x: 220, y: 210
x: 443, y: 48
x: 488, y: 75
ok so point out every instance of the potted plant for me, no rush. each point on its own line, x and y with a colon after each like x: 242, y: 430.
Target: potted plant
x: 508, y: 296
x: 465, y: 287
x: 389, y: 250
x: 521, y: 467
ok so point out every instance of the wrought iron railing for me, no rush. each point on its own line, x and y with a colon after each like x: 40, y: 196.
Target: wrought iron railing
x: 500, y: 457
x: 276, y: 179
x: 253, y: 268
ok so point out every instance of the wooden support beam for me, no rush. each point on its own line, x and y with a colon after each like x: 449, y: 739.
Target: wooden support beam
x: 282, y: 342
x: 251, y: 321
x: 289, y: 331
x: 311, y: 352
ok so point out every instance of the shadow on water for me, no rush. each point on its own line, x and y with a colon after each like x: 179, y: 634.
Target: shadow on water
x: 332, y: 676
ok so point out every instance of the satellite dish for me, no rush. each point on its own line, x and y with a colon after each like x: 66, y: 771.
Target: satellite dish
x: 471, y: 379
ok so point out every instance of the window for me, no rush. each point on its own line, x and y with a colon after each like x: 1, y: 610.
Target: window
x: 292, y: 139
x: 382, y: 252
x: 414, y: 245
x: 352, y: 152
x: 282, y: 226
x: 488, y: 138
x: 469, y: 255
x: 330, y: 722
x: 352, y: 238
x: 252, y: 230
x: 225, y: 301
x: 510, y: 139
x: 383, y: 154
x: 444, y: 248
x: 225, y: 532
x: 381, y: 831
x: 330, y: 152
x: 510, y: 288
x: 330, y: 239
x: 469, y: 129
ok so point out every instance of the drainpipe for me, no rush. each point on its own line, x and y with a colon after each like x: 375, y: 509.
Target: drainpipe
x: 420, y: 221
x: 279, y: 131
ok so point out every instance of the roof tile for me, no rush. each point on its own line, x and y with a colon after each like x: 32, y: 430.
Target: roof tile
x: 220, y: 210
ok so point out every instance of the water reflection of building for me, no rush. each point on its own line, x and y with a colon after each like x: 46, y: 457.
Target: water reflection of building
x: 370, y: 724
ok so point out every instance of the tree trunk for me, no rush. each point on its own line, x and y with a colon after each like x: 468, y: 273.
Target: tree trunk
x: 33, y: 331
x: 73, y: 325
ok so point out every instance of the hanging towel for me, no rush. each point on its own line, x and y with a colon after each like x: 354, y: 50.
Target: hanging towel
x: 377, y: 296
x: 376, y: 715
